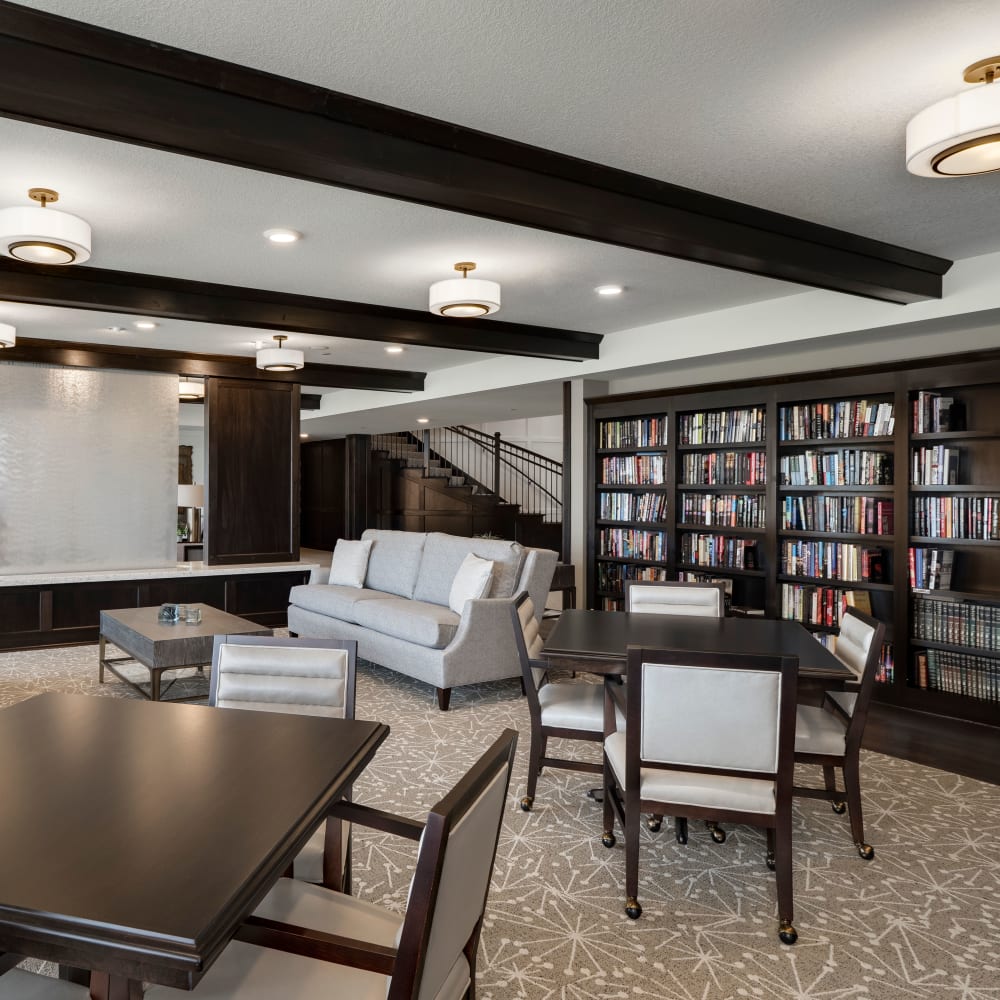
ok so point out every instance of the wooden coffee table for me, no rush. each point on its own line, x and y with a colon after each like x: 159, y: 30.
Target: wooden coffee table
x: 160, y: 646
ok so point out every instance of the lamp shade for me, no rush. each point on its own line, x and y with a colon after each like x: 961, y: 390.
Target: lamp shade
x: 189, y: 389
x: 957, y: 137
x: 8, y: 335
x: 280, y: 358
x: 190, y: 495
x: 464, y: 297
x: 43, y: 236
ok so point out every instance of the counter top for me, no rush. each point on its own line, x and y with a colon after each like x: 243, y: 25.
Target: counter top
x: 151, y: 573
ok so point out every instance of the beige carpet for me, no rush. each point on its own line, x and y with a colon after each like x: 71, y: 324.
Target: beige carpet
x: 921, y: 920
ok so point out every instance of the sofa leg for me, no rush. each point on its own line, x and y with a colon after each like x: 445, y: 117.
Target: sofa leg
x: 293, y: 635
x: 444, y: 698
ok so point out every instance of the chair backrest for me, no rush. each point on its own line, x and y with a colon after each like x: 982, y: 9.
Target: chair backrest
x: 673, y: 597
x: 718, y: 713
x: 859, y: 648
x: 528, y: 642
x: 454, y: 867
x: 298, y: 676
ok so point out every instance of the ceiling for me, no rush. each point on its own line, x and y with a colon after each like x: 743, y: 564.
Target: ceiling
x: 798, y: 107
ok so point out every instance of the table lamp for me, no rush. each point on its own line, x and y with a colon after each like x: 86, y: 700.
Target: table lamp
x: 192, y: 496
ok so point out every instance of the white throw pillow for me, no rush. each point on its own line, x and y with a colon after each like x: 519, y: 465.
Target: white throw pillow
x: 350, y: 563
x: 471, y: 582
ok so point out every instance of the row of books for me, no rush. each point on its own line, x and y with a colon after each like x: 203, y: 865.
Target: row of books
x: 936, y: 465
x: 958, y: 673
x: 631, y: 470
x: 632, y: 543
x: 613, y: 576
x: 612, y: 604
x: 833, y: 560
x: 858, y: 515
x: 930, y: 569
x: 718, y: 550
x: 848, y: 418
x: 961, y: 623
x: 739, y: 426
x: 933, y: 413
x: 724, y: 468
x: 746, y: 510
x: 956, y: 517
x: 650, y: 507
x: 884, y: 672
x: 636, y: 432
x: 813, y: 604
x: 846, y: 467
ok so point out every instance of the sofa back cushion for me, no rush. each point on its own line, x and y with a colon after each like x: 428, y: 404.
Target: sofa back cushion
x: 394, y: 561
x: 443, y: 555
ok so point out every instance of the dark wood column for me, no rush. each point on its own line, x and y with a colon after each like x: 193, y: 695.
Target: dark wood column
x: 359, y: 505
x: 324, y: 495
x: 252, y: 476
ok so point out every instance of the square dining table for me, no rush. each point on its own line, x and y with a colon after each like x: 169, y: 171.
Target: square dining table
x: 596, y: 641
x: 137, y: 836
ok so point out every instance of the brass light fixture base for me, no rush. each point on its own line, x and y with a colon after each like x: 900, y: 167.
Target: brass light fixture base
x: 465, y: 266
x: 984, y: 71
x: 43, y: 195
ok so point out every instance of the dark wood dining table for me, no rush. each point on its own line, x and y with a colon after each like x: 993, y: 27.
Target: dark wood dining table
x: 596, y: 641
x: 137, y: 836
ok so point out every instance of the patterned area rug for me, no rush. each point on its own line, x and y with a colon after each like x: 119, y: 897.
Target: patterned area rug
x: 920, y: 920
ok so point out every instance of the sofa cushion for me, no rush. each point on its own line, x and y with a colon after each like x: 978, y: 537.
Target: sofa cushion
x: 471, y: 582
x: 415, y: 621
x: 333, y: 600
x: 394, y: 560
x: 443, y: 555
x: 350, y: 563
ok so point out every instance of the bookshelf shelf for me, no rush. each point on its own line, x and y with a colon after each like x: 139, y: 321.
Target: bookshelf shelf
x: 957, y: 436
x: 722, y: 528
x: 823, y: 581
x: 993, y: 654
x: 877, y: 442
x: 637, y: 450
x: 721, y: 570
x: 960, y: 489
x: 718, y: 488
x: 862, y: 490
x: 629, y: 561
x: 640, y: 487
x: 839, y: 536
x: 643, y: 525
x: 723, y: 446
x: 948, y: 543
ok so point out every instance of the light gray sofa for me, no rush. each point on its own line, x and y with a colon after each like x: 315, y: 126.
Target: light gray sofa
x: 401, y: 618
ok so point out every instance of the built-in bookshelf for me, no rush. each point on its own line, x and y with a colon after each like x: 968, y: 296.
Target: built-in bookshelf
x: 805, y: 495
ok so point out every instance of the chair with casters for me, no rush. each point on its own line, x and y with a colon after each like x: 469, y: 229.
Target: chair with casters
x: 669, y: 758
x: 830, y: 736
x: 302, y: 677
x: 694, y: 600
x: 571, y: 711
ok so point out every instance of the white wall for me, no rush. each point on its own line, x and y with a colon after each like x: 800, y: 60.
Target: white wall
x: 88, y: 469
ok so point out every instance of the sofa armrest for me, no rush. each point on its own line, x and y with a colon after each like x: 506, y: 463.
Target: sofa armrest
x: 536, y: 577
x: 484, y: 641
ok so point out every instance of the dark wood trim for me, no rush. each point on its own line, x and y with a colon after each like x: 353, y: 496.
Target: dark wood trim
x: 567, y: 458
x: 108, y: 84
x: 232, y: 305
x: 148, y: 359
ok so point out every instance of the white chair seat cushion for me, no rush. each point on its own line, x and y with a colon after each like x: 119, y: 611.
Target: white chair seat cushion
x: 754, y: 795
x: 308, y: 865
x: 246, y: 972
x: 575, y: 706
x: 817, y: 731
x: 20, y: 985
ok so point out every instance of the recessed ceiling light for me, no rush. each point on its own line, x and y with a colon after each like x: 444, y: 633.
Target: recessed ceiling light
x: 283, y: 235
x: 145, y: 324
x: 423, y: 420
x: 394, y: 350
x: 303, y: 436
x: 609, y: 289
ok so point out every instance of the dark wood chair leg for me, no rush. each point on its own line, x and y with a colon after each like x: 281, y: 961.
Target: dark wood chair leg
x: 535, y: 755
x: 444, y: 698
x: 782, y: 838
x: 681, y: 829
x: 852, y: 782
x: 524, y: 690
x: 608, y: 837
x: 632, y: 819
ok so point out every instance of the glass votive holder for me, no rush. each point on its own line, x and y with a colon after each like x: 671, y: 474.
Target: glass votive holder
x: 192, y: 615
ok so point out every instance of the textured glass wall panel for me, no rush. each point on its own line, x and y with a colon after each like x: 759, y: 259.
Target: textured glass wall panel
x: 88, y: 469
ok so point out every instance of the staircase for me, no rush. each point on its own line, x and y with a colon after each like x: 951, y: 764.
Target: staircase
x: 420, y: 490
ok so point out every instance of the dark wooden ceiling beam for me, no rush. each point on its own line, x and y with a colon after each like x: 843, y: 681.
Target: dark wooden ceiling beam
x: 180, y: 298
x: 119, y: 87
x: 146, y: 359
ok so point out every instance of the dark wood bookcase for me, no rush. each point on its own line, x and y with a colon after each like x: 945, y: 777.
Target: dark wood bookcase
x: 799, y: 489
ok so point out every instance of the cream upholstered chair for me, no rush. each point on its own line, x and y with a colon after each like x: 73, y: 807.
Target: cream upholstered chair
x: 571, y: 711
x: 831, y: 736
x: 303, y: 677
x: 670, y: 756
x: 695, y: 600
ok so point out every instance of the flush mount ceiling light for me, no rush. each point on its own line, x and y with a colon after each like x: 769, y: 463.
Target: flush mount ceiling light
x: 464, y: 296
x: 43, y: 235
x: 283, y: 236
x: 959, y: 136
x: 8, y: 335
x: 280, y: 359
x: 189, y: 390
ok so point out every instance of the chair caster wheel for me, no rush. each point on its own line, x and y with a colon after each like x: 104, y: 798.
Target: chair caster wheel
x: 608, y: 839
x: 839, y: 808
x: 653, y: 824
x: 527, y: 802
x: 632, y: 908
x: 770, y: 862
x: 866, y: 851
x: 718, y: 834
x: 787, y: 933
